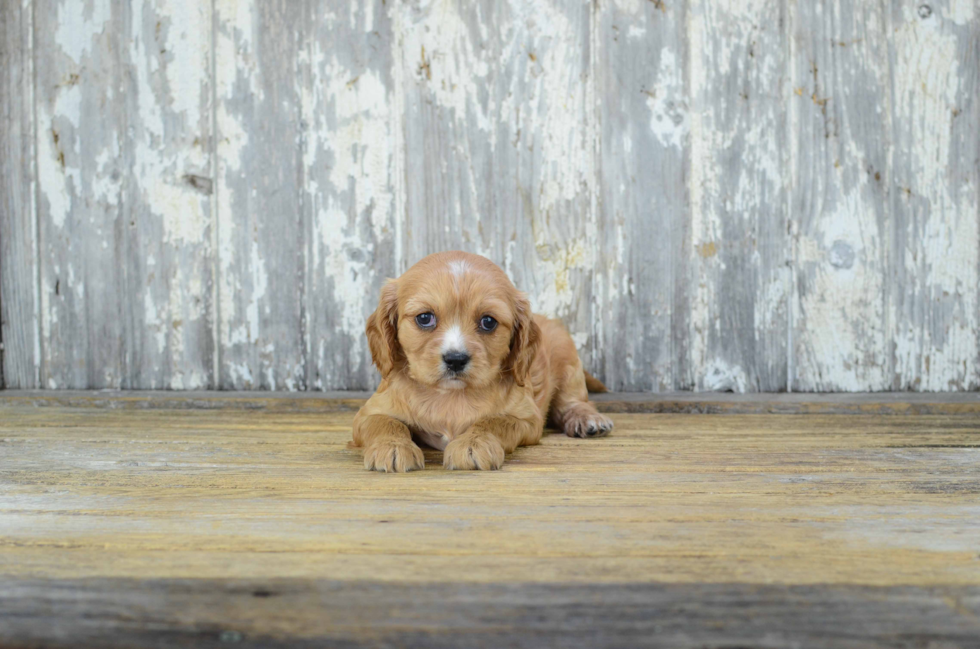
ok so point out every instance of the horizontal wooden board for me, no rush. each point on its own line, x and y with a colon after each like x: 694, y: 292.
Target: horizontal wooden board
x: 317, y: 613
x: 880, y: 403
x: 248, y: 520
x: 238, y: 493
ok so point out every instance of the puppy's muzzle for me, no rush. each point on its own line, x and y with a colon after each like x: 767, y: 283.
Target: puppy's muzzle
x: 456, y: 362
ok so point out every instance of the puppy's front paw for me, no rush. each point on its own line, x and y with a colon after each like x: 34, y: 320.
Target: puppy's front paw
x: 469, y: 451
x: 393, y: 456
x: 586, y: 422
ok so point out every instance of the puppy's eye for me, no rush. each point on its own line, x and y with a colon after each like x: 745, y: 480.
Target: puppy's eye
x: 487, y: 323
x: 425, y: 320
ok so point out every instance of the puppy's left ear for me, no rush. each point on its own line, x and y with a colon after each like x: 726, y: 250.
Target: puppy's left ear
x: 382, y: 330
x: 524, y: 341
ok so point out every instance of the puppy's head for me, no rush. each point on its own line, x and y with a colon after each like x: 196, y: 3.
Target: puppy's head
x: 452, y: 321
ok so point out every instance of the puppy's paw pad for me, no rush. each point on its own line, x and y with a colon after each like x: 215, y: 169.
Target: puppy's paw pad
x: 587, y: 424
x: 393, y: 456
x: 474, y: 452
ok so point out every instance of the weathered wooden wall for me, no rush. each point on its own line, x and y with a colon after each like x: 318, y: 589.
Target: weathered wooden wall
x: 716, y: 195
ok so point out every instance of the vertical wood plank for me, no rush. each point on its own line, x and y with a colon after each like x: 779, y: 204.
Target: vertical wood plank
x: 499, y: 137
x: 739, y: 283
x: 124, y: 189
x: 261, y: 234
x: 933, y: 275
x: 643, y: 223
x: 840, y: 202
x: 349, y: 154
x: 18, y: 225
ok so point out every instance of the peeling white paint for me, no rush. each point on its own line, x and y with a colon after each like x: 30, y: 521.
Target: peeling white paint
x: 171, y: 74
x: 771, y: 306
x: 349, y: 160
x: 719, y: 376
x: 80, y: 22
x: 360, y: 142
x: 188, y: 35
x: 331, y: 259
x: 155, y: 325
x: 259, y: 284
x: 703, y: 188
x: 54, y: 179
x: 630, y: 7
x: 558, y: 112
x: 107, y: 184
x: 841, y: 312
x: 667, y: 102
x: 446, y: 58
x: 961, y: 12
x: 238, y: 309
x: 636, y: 32
x: 235, y: 29
x: 738, y: 188
x: 944, y: 242
x: 506, y: 74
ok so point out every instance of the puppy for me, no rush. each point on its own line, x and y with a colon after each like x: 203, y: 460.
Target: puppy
x: 467, y: 369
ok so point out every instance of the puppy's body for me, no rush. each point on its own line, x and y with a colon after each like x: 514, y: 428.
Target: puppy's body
x: 466, y: 368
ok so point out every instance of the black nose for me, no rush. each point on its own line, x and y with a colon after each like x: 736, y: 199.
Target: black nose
x: 456, y: 361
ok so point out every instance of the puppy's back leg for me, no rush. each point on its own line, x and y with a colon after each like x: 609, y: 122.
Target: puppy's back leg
x: 571, y: 410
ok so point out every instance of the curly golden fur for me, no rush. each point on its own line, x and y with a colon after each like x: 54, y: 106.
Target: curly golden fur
x: 468, y: 369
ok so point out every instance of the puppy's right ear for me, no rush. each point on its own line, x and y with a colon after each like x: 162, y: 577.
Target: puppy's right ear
x: 382, y: 330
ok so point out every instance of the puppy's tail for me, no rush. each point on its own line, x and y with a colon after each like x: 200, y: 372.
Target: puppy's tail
x: 593, y: 384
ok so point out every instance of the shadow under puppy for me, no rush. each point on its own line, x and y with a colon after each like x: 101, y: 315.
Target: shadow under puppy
x: 468, y: 369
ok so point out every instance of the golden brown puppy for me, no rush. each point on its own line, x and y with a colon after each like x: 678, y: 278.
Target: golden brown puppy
x: 468, y: 369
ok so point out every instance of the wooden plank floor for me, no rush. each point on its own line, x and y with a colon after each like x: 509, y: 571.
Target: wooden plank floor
x: 136, y: 523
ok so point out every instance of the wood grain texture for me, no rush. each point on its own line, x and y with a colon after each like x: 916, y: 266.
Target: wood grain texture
x: 261, y: 226
x: 934, y: 274
x: 305, y: 201
x: 123, y: 132
x: 817, y: 499
x: 317, y: 613
x: 739, y: 291
x: 163, y: 526
x: 796, y: 403
x: 887, y: 186
x: 841, y: 178
x: 643, y: 290
x: 19, y: 339
x: 749, y: 196
x: 349, y: 121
